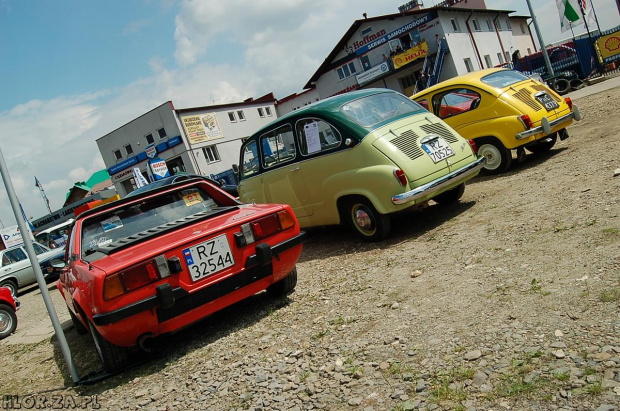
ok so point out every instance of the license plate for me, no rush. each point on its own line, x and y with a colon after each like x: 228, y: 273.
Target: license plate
x: 438, y: 149
x: 209, y: 257
x: 546, y: 101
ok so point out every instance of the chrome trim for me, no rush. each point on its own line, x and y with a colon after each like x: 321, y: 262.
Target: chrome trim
x: 539, y: 129
x: 429, y: 188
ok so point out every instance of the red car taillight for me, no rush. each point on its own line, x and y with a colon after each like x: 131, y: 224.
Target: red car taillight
x: 135, y: 277
x: 401, y: 177
x: 264, y: 227
x: 569, y: 102
x: 527, y: 122
x: 473, y: 146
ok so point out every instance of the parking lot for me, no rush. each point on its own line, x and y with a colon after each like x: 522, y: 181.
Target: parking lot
x: 509, y: 300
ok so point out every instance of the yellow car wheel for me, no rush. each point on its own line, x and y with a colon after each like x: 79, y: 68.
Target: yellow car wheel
x: 498, y: 157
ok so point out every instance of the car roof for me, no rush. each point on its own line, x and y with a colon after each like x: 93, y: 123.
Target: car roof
x: 329, y: 107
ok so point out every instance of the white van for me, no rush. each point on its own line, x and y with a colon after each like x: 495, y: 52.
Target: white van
x: 54, y: 237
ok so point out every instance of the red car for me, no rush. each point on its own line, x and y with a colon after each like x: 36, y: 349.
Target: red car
x: 158, y: 261
x: 8, y: 306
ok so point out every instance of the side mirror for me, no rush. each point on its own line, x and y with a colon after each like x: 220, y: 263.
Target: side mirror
x: 235, y: 169
x: 57, y: 263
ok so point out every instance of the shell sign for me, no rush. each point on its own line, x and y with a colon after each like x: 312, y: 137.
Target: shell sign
x: 609, y: 45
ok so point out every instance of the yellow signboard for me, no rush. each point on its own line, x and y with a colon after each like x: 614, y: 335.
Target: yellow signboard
x: 609, y: 45
x: 201, y: 127
x: 414, y: 53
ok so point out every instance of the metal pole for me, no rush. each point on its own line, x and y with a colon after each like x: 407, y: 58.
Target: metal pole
x: 23, y: 228
x: 540, y: 40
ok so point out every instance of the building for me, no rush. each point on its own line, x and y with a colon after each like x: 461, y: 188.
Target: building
x: 393, y: 51
x: 165, y: 141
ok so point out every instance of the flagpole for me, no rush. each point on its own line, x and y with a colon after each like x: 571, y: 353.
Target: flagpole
x: 600, y: 33
x: 47, y: 202
x: 541, y: 41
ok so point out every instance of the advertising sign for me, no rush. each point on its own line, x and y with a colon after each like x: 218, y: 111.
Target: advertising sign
x: 150, y: 151
x: 202, y: 127
x: 11, y: 236
x: 412, y: 54
x: 373, y: 73
x: 609, y: 45
x: 159, y: 168
x: 370, y: 42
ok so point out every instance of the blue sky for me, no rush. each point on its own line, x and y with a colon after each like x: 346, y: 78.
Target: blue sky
x: 71, y: 71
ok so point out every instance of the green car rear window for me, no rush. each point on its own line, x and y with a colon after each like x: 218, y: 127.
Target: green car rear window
x: 503, y: 79
x: 377, y: 108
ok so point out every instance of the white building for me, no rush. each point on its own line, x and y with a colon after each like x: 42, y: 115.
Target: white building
x: 391, y: 51
x: 202, y: 140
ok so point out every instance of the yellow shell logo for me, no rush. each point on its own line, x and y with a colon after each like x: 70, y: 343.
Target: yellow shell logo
x: 612, y: 43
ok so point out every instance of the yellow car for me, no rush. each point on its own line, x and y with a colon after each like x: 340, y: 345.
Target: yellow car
x: 501, y: 110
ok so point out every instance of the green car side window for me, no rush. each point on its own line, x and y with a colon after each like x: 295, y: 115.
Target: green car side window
x: 316, y: 136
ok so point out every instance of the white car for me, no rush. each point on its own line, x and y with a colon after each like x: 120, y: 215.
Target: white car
x: 16, y: 270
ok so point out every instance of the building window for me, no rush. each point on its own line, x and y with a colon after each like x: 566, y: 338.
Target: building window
x: 211, y: 154
x: 149, y: 139
x: 500, y: 58
x: 161, y: 132
x: 455, y: 25
x: 408, y: 81
x: 117, y: 154
x: 476, y: 25
x: 468, y: 65
x: 487, y: 60
x: 231, y: 117
x: 522, y: 28
x: 529, y: 51
x: 507, y: 57
x: 268, y: 111
x: 261, y: 112
x: 241, y: 115
x: 346, y: 70
x: 489, y: 25
x: 508, y: 25
x: 128, y: 149
x: 499, y: 24
x: 366, y: 31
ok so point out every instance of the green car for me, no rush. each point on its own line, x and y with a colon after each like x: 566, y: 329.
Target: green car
x: 356, y: 158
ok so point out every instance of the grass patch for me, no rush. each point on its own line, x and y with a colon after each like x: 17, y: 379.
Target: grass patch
x: 610, y: 295
x: 595, y: 388
x: 611, y: 232
x: 449, y: 387
x: 536, y: 287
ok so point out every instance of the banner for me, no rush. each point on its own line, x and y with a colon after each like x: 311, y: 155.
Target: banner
x: 139, y: 178
x: 570, y: 14
x: 414, y: 53
x: 202, y: 127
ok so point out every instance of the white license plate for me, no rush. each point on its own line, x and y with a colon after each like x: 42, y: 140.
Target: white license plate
x: 438, y: 149
x: 209, y: 257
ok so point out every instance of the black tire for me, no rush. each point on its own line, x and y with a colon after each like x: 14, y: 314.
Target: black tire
x: 11, y: 285
x: 366, y: 221
x: 544, y: 145
x: 113, y: 357
x: 285, y: 286
x: 561, y: 86
x: 77, y: 324
x: 451, y: 196
x: 498, y: 157
x: 576, y: 84
x: 8, y: 320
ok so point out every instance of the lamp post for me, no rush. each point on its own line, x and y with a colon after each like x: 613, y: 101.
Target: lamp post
x: 540, y: 40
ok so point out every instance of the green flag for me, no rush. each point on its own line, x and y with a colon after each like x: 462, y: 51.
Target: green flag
x: 570, y: 14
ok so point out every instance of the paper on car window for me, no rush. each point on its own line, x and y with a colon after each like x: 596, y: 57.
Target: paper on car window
x: 311, y: 130
x: 191, y: 197
x: 111, y: 223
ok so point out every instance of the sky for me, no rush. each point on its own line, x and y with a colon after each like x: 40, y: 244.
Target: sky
x: 72, y: 71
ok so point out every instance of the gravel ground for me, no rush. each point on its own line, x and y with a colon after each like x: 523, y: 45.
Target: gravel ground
x: 508, y: 301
